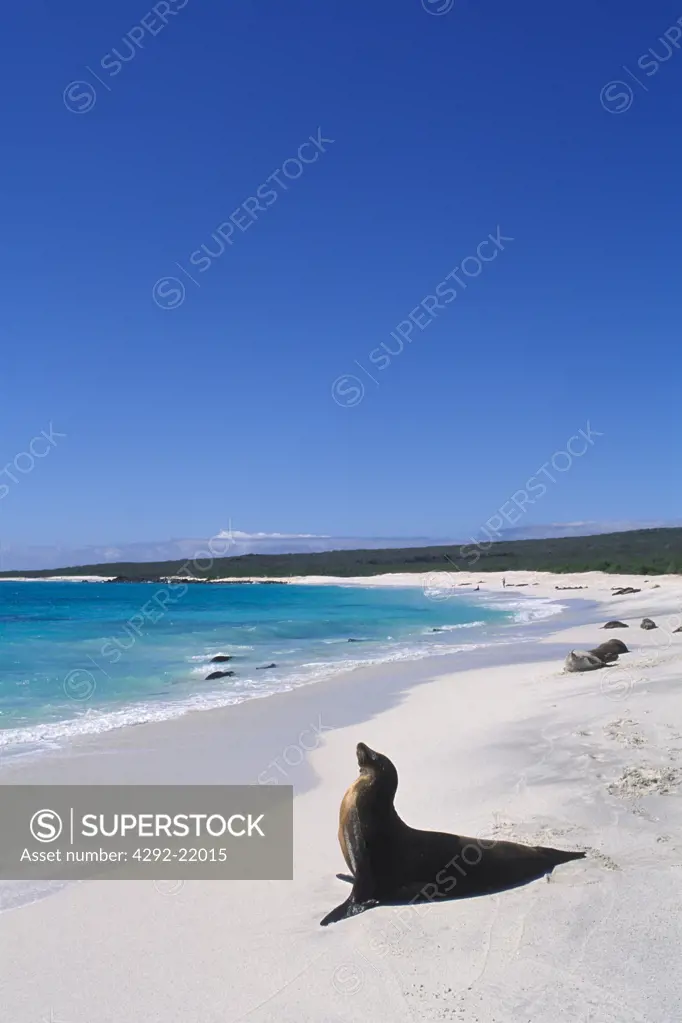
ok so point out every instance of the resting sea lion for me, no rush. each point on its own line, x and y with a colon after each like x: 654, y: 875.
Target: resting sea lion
x: 583, y: 660
x: 647, y: 623
x: 609, y: 651
x: 392, y: 863
x: 616, y: 625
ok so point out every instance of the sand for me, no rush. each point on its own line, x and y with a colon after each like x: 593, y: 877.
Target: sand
x: 520, y: 750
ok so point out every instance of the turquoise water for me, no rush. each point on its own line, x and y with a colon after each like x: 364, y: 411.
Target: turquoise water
x: 78, y: 658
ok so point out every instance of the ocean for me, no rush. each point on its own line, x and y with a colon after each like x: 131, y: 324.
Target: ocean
x: 83, y: 658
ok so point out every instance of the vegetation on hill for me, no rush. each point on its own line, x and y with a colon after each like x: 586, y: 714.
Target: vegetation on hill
x: 641, y: 552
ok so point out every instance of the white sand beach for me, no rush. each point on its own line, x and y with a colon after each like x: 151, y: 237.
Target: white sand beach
x: 519, y: 750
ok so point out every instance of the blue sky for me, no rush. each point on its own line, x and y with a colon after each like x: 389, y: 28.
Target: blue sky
x: 448, y: 125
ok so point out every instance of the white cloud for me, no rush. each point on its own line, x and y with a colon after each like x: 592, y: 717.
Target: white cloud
x: 238, y: 534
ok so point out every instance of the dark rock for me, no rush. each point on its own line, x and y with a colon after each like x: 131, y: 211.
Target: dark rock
x: 264, y: 667
x: 218, y: 674
x: 616, y: 625
x: 648, y: 624
x: 219, y: 658
x: 130, y: 579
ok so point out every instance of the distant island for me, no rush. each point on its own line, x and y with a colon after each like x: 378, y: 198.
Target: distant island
x: 640, y: 552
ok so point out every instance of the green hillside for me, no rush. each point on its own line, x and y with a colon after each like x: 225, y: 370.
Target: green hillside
x: 644, y: 552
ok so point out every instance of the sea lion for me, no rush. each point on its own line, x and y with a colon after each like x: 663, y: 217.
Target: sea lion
x: 647, y: 623
x: 218, y: 674
x: 616, y: 625
x: 392, y: 863
x: 609, y: 651
x: 583, y: 660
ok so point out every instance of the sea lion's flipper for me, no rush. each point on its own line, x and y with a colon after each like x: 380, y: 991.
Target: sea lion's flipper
x: 348, y: 908
x: 346, y: 877
x: 364, y: 891
x: 556, y: 856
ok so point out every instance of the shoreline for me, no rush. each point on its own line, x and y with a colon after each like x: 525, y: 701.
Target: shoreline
x: 515, y: 750
x: 435, y: 580
x: 356, y: 692
x: 523, y: 610
x: 593, y: 589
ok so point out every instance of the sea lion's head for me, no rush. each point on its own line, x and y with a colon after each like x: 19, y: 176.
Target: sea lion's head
x: 378, y: 768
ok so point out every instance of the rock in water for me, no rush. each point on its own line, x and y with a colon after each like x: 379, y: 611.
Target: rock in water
x: 648, y: 624
x: 218, y: 674
x: 616, y: 625
x: 219, y: 658
x: 582, y: 660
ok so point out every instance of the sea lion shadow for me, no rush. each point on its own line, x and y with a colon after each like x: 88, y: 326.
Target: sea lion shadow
x: 515, y: 873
